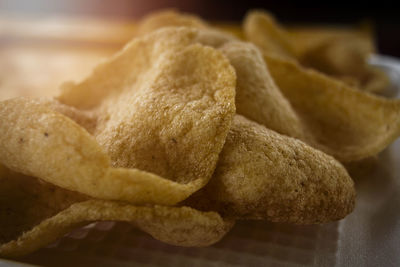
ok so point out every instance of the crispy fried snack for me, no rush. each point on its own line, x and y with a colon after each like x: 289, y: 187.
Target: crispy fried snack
x: 149, y: 107
x: 264, y: 175
x: 302, y: 103
x: 35, y: 213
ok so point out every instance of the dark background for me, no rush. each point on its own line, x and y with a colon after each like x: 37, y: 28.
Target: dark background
x: 385, y: 15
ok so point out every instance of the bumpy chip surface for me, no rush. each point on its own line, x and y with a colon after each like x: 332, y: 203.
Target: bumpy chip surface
x: 264, y: 175
x: 163, y: 105
x: 34, y: 214
x: 41, y: 142
x: 343, y: 128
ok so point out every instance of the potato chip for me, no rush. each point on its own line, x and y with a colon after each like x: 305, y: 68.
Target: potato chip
x: 167, y: 96
x: 257, y: 96
x: 264, y: 175
x: 162, y: 105
x: 207, y: 35
x: 232, y: 28
x: 339, y: 53
x: 309, y: 38
x: 261, y: 29
x: 344, y: 122
x: 40, y: 142
x: 375, y: 80
x: 339, y: 57
x: 36, y: 213
x: 348, y: 138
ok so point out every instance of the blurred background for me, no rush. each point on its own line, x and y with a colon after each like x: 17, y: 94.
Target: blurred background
x: 384, y: 16
x: 46, y: 42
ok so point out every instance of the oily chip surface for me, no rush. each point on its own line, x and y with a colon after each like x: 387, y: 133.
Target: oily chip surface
x: 36, y: 213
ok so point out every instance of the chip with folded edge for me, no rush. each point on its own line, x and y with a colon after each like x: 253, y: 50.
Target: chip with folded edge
x: 264, y: 175
x: 34, y: 214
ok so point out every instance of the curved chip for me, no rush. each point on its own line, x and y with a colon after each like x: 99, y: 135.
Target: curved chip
x: 163, y: 96
x: 257, y: 96
x: 349, y: 124
x: 264, y: 175
x: 261, y: 29
x: 342, y: 53
x: 309, y: 38
x: 162, y: 105
x: 346, y: 137
x: 35, y: 214
x: 40, y: 142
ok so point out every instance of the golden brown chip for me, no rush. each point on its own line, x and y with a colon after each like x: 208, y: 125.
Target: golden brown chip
x: 34, y: 214
x: 349, y: 124
x: 264, y: 175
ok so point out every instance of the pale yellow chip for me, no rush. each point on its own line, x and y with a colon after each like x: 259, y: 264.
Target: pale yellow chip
x: 264, y: 175
x: 34, y: 214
